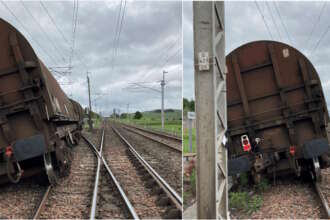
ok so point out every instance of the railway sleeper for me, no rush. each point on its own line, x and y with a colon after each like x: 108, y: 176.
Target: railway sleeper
x: 145, y: 176
x: 163, y: 200
x: 150, y: 183
x: 156, y: 190
x: 172, y: 213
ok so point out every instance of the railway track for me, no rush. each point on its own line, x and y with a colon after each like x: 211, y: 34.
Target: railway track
x: 149, y: 193
x: 20, y: 200
x: 70, y: 198
x: 164, y: 138
x: 42, y: 203
x: 166, y: 161
x: 323, y: 191
x: 108, y: 206
x: 144, y: 193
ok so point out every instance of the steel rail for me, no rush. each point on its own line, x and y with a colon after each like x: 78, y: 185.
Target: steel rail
x: 42, y: 203
x: 153, y: 139
x: 121, y: 191
x: 97, y: 178
x: 323, y: 199
x: 171, y: 193
x: 156, y: 133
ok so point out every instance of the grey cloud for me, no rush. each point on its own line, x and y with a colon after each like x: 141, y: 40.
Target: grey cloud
x: 149, y: 29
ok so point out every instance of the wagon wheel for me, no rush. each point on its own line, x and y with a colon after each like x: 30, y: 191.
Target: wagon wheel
x: 63, y: 158
x: 50, y: 168
x: 69, y: 141
x: 76, y: 137
x: 316, y: 171
x: 72, y: 139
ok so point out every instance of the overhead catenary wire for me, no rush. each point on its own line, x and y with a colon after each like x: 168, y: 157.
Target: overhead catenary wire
x: 73, y: 15
x: 115, y: 34
x: 118, y: 29
x: 320, y: 39
x: 60, y: 32
x: 43, y: 30
x: 53, y: 21
x: 264, y: 20
x: 316, y: 23
x: 170, y: 57
x: 121, y: 26
x: 74, y: 28
x: 272, y: 17
x: 26, y: 30
x: 284, y: 26
x: 161, y: 56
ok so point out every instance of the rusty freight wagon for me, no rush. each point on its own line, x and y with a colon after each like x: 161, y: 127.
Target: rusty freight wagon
x: 277, y: 114
x: 36, y: 117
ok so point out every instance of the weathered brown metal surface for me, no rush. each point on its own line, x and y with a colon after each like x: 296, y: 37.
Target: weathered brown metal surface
x: 274, y: 93
x: 31, y: 100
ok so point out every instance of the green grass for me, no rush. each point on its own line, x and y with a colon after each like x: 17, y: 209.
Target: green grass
x: 186, y: 140
x: 193, y: 180
x: 263, y: 185
x: 243, y: 201
x: 96, y: 123
x: 152, y: 120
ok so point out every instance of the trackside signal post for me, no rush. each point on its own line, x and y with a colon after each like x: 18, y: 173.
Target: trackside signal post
x: 211, y: 109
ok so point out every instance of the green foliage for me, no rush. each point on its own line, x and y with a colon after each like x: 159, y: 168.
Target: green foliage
x: 238, y: 200
x: 188, y: 105
x: 123, y: 115
x: 263, y: 185
x: 254, y: 204
x: 242, y: 201
x: 186, y: 140
x: 186, y: 195
x: 243, y: 180
x: 193, y: 180
x: 152, y: 120
x: 138, y: 115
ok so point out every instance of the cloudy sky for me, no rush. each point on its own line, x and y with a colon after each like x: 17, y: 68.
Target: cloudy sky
x: 304, y: 25
x: 150, y: 41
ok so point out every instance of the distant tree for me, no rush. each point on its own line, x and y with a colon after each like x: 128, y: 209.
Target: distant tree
x: 123, y: 115
x: 188, y: 105
x: 137, y: 115
x: 192, y: 105
x: 185, y: 103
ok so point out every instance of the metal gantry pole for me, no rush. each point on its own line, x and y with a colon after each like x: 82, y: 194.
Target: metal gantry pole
x: 211, y: 109
x: 162, y: 84
x: 127, y: 114
x: 90, y: 124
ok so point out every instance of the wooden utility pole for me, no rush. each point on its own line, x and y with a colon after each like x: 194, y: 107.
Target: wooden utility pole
x: 211, y: 109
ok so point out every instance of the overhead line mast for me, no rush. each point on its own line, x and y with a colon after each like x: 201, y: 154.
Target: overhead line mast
x: 162, y: 84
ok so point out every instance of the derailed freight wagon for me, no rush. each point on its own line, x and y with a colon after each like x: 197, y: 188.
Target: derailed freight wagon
x: 277, y: 114
x: 36, y: 117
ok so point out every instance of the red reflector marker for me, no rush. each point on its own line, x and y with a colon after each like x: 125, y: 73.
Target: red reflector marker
x: 9, y: 151
x: 247, y: 147
x: 246, y: 143
x: 292, y: 150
